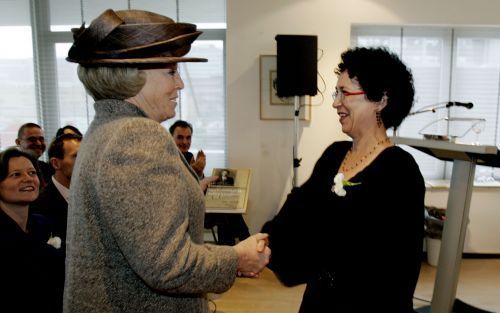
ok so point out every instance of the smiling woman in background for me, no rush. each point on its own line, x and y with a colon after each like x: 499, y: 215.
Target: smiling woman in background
x: 31, y: 270
x: 135, y: 220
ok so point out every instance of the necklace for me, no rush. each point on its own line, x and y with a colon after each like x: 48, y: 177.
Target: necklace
x: 346, y: 169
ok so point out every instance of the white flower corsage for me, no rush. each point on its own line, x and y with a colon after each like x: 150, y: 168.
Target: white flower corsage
x: 339, y: 183
x: 54, y: 242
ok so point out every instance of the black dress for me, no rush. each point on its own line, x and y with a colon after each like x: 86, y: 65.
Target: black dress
x: 356, y: 253
x: 31, y: 271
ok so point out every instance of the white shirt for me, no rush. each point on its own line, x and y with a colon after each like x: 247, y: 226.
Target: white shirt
x: 62, y: 189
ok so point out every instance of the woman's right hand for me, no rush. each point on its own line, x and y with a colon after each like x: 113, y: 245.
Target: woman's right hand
x: 253, y: 255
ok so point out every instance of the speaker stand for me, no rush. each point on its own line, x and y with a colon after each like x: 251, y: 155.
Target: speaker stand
x: 296, y: 160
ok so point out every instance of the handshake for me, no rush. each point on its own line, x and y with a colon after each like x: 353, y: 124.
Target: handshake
x: 253, y: 255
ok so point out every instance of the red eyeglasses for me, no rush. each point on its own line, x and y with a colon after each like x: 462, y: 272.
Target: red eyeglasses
x: 342, y: 94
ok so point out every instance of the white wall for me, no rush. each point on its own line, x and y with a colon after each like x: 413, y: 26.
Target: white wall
x: 266, y: 146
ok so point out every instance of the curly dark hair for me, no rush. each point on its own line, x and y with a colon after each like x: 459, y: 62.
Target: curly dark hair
x: 380, y: 73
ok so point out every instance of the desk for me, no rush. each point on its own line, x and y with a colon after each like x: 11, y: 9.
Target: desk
x: 464, y: 158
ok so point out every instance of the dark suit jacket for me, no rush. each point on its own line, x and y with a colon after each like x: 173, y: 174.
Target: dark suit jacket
x: 46, y: 172
x: 188, y: 156
x: 52, y: 205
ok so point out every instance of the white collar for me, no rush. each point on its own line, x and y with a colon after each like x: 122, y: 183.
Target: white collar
x: 62, y: 189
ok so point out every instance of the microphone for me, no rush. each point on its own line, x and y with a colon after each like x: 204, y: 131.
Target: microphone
x: 467, y: 105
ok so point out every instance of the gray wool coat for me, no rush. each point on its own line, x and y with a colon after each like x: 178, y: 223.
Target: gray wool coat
x: 135, y: 222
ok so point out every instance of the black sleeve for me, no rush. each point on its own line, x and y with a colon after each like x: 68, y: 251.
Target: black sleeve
x: 286, y: 239
x: 294, y: 231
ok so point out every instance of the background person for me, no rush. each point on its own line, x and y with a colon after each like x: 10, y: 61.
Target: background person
x: 53, y: 200
x: 31, y: 138
x: 182, y: 132
x: 358, y: 220
x: 31, y: 270
x: 230, y: 227
x: 68, y: 129
x: 135, y: 220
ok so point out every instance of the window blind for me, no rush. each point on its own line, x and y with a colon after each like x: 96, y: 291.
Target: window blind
x: 448, y: 64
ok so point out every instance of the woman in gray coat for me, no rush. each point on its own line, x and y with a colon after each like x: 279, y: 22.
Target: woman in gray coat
x: 135, y: 220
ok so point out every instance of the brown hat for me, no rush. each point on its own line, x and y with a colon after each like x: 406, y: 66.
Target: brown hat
x: 132, y: 37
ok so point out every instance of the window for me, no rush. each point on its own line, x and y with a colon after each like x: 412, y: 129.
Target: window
x: 17, y: 90
x: 39, y: 85
x: 448, y: 64
x: 201, y: 101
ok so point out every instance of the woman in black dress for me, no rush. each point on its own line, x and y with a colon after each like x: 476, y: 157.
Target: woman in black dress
x: 353, y: 231
x: 32, y: 261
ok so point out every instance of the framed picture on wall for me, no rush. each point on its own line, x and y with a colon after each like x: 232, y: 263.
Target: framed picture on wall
x: 273, y: 107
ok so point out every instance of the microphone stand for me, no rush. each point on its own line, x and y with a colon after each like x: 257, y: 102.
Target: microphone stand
x: 446, y: 105
x: 296, y: 160
x: 431, y: 108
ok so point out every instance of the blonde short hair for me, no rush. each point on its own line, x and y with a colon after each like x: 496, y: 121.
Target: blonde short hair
x: 111, y: 82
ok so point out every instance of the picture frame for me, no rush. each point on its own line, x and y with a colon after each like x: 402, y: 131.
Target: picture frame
x: 273, y: 107
x: 230, y: 197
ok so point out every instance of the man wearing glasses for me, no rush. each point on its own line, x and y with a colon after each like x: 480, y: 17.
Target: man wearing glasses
x: 30, y: 138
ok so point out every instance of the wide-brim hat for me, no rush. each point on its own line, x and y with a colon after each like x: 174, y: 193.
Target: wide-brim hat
x: 132, y: 38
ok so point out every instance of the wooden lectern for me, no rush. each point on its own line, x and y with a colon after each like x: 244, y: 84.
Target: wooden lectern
x: 464, y: 158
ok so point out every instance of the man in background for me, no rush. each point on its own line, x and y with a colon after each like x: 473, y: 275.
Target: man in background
x: 230, y: 227
x: 31, y: 138
x: 182, y: 133
x: 53, y: 199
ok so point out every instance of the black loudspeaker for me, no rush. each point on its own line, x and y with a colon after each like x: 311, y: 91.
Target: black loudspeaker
x: 297, y: 65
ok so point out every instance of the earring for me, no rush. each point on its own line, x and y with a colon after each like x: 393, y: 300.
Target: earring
x: 378, y: 116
